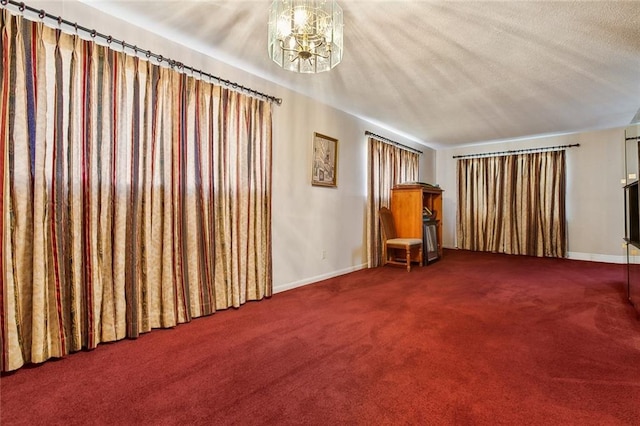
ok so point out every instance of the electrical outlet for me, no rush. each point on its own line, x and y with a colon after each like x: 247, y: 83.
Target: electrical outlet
x: 324, y: 254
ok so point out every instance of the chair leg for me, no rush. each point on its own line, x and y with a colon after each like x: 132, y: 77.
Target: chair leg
x: 420, y: 256
x: 408, y: 259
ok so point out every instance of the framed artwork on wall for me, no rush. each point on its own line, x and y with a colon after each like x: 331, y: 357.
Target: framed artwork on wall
x: 324, y: 168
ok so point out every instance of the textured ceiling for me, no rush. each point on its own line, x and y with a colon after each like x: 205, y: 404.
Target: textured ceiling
x: 443, y: 73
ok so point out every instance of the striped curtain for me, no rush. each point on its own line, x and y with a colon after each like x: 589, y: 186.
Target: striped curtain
x: 389, y: 165
x: 513, y: 204
x: 133, y: 196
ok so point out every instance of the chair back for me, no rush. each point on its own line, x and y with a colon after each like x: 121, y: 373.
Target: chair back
x: 388, y: 224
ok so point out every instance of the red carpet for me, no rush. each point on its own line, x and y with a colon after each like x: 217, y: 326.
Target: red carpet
x: 472, y: 339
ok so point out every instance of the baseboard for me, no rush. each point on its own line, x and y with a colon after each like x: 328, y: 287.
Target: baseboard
x: 311, y: 280
x: 593, y: 257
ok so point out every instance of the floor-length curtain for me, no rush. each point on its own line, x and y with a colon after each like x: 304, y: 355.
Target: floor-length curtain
x: 513, y: 204
x: 388, y: 166
x: 132, y: 196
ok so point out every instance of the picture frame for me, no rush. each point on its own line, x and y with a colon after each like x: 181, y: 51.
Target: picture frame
x: 324, y: 168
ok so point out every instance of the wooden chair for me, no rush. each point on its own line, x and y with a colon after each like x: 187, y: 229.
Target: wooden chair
x: 392, y: 243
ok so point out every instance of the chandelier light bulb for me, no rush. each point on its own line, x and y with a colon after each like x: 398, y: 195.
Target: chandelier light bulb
x: 300, y: 19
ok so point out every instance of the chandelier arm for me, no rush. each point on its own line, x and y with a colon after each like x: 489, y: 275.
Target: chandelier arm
x: 300, y: 45
x: 321, y: 56
x: 288, y: 49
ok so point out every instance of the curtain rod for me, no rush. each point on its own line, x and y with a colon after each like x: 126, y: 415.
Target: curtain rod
x: 383, y: 139
x: 541, y: 149
x: 149, y: 54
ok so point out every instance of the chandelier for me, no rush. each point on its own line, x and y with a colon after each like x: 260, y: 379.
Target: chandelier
x: 305, y: 35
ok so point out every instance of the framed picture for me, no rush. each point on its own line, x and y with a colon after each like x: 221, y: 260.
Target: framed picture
x: 325, y: 161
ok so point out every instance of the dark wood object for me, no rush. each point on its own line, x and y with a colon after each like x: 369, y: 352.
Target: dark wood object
x: 632, y: 214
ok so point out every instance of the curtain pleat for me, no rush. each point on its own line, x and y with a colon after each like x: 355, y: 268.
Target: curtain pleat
x: 133, y: 196
x: 388, y: 166
x: 513, y: 204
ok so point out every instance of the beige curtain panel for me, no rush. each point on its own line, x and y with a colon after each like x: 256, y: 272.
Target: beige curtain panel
x: 388, y: 166
x: 513, y: 204
x: 132, y: 196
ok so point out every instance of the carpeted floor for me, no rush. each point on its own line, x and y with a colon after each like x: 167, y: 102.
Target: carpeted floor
x: 474, y: 338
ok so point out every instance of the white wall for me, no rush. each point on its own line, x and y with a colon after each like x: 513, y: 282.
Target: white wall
x: 307, y: 220
x: 594, y: 203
